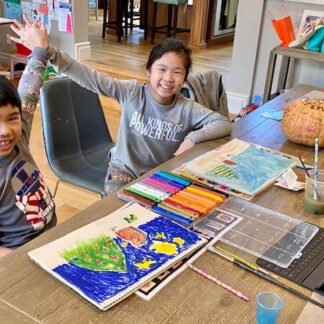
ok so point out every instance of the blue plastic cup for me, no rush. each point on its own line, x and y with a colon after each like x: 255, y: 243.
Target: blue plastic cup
x: 268, y: 308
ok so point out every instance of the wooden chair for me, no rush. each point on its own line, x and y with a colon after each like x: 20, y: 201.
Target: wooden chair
x: 132, y: 15
x: 121, y: 18
x: 171, y: 30
x: 124, y: 18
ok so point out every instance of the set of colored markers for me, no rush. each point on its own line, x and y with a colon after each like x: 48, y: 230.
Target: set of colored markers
x: 172, y: 196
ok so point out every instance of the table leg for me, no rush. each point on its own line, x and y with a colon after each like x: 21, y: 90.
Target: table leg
x: 154, y: 22
x: 119, y: 20
x: 282, y: 78
x: 125, y: 16
x: 169, y: 19
x: 146, y: 4
x: 290, y: 72
x: 269, y: 77
x: 104, y: 18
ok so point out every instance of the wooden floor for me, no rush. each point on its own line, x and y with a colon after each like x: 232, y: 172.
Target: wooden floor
x: 124, y: 60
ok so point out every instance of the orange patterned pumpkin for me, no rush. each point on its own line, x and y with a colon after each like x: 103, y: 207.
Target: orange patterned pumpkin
x: 303, y: 121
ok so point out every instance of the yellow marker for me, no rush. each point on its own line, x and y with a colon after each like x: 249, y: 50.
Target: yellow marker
x: 204, y: 193
x: 201, y: 198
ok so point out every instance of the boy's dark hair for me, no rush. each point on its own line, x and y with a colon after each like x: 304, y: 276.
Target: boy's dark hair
x: 170, y: 45
x: 9, y: 94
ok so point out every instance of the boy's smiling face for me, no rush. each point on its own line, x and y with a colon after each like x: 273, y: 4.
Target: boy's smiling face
x: 10, y: 129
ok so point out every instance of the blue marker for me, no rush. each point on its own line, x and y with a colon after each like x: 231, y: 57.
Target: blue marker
x: 172, y: 177
x: 172, y: 215
x: 168, y: 181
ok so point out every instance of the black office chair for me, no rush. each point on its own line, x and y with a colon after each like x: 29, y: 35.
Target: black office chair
x: 76, y: 136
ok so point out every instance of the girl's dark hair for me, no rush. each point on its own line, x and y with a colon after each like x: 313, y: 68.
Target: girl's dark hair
x: 8, y: 94
x: 170, y: 45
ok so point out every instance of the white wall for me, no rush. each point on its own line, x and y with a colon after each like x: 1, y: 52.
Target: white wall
x: 245, y: 50
x: 253, y: 42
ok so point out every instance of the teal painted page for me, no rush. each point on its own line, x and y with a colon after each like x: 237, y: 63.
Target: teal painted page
x: 242, y: 166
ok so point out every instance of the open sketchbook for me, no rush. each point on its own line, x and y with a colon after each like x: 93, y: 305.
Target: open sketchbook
x: 245, y: 167
x: 109, y: 259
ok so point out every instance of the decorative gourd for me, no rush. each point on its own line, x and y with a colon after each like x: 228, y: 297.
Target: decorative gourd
x: 303, y: 121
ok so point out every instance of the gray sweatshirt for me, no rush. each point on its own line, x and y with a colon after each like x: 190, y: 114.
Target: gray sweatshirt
x: 149, y: 133
x: 26, y: 205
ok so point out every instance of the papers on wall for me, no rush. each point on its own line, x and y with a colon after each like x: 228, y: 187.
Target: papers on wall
x: 52, y: 9
x: 36, y: 11
x: 65, y: 17
x: 12, y: 10
x: 42, y: 10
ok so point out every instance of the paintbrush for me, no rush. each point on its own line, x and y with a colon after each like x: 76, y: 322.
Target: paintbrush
x: 264, y: 275
x: 241, y: 260
x: 303, y: 165
x: 316, y: 161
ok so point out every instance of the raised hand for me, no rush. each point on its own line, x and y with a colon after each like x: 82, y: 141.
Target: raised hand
x: 31, y: 34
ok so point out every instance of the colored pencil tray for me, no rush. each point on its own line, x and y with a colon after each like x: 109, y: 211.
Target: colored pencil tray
x: 173, y: 196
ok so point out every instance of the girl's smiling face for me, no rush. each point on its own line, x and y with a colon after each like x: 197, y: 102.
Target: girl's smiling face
x: 167, y: 75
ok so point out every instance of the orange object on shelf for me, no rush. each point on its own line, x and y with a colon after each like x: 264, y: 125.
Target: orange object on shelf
x: 284, y: 30
x: 283, y: 27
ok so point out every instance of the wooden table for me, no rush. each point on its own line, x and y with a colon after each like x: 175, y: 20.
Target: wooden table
x: 28, y: 293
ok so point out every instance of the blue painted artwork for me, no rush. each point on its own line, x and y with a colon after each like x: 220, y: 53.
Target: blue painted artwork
x: 242, y: 166
x: 107, y: 267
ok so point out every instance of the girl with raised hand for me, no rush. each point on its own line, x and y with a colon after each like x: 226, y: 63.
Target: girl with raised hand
x: 157, y: 121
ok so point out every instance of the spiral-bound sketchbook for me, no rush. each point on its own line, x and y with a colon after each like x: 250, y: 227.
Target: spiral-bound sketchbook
x: 109, y: 259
